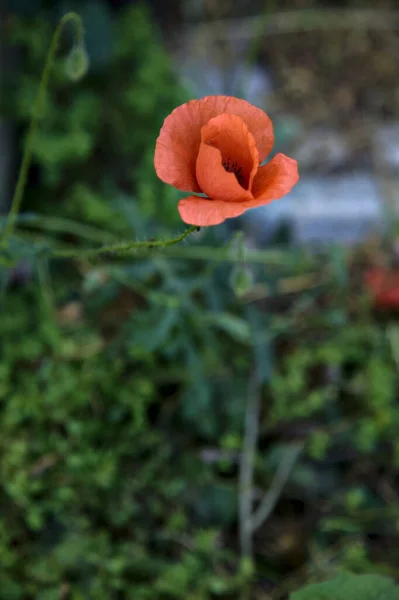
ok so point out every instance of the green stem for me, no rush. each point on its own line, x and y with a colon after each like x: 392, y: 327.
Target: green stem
x: 27, y: 156
x: 262, y: 257
x: 200, y: 253
x: 123, y: 248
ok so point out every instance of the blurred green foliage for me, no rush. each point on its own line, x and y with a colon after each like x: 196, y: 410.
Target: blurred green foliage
x: 103, y: 486
x: 109, y: 423
x: 365, y: 587
x: 124, y: 384
x: 96, y: 139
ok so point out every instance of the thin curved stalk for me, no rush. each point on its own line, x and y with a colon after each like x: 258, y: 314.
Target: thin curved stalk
x: 27, y: 155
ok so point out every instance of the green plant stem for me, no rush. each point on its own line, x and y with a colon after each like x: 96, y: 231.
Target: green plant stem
x: 123, y: 248
x: 271, y: 497
x: 213, y: 255
x: 27, y: 155
x: 204, y: 253
x: 246, y: 476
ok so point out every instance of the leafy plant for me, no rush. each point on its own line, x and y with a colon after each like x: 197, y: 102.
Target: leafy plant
x: 124, y: 379
x: 345, y: 585
x: 95, y: 146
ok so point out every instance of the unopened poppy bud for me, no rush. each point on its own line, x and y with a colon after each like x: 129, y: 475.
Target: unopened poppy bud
x: 77, y: 62
x: 241, y: 280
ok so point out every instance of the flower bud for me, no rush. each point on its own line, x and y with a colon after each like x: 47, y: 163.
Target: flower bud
x: 241, y: 280
x: 77, y: 62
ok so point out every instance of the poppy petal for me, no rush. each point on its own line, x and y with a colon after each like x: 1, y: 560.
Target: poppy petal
x: 226, y: 146
x: 257, y: 121
x: 238, y: 153
x: 178, y: 144
x: 204, y: 212
x: 275, y: 179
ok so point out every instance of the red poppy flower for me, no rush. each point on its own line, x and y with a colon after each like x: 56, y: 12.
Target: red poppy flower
x: 215, y: 146
x: 383, y: 285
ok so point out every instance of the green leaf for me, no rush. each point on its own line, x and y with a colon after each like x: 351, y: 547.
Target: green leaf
x: 150, y: 339
x: 234, y: 326
x: 347, y: 586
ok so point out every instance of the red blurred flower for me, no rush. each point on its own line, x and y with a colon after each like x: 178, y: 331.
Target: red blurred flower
x: 215, y: 146
x: 383, y: 285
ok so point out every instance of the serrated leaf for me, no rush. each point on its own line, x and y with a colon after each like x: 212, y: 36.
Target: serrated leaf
x: 347, y: 586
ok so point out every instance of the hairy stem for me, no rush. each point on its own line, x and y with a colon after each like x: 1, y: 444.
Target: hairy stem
x: 122, y: 248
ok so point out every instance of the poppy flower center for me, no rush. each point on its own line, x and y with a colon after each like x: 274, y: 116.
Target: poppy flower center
x: 233, y: 167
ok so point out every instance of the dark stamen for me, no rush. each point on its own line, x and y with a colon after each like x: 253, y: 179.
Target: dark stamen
x: 234, y: 168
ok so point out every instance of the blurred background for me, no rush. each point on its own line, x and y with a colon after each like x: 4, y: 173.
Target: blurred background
x: 219, y: 419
